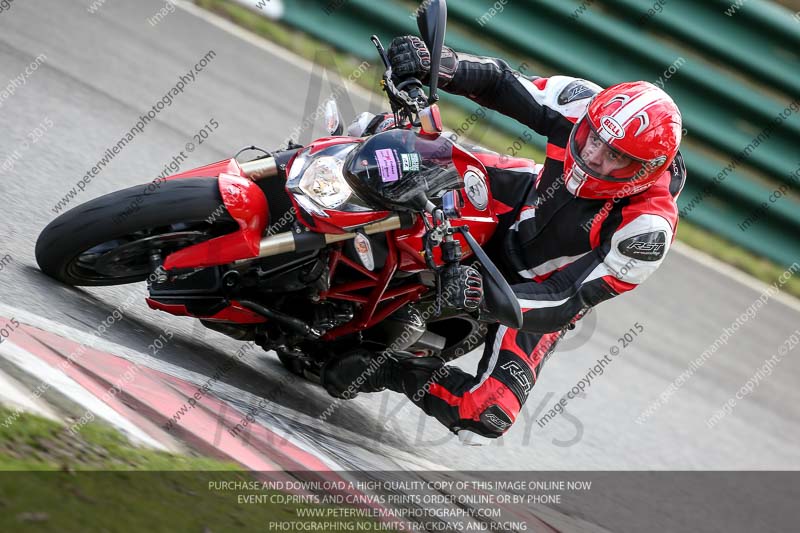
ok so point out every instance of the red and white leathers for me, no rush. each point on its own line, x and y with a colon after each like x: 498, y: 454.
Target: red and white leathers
x: 561, y: 253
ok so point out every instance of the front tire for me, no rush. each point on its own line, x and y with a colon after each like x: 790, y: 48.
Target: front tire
x: 110, y: 240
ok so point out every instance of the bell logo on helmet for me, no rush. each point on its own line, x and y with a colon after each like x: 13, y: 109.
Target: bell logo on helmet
x: 612, y: 127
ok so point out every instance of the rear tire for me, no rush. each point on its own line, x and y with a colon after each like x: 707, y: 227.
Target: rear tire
x: 72, y: 247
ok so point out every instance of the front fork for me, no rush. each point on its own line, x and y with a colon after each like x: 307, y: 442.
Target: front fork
x: 440, y: 233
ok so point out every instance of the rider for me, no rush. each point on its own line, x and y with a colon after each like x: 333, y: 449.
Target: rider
x: 593, y: 223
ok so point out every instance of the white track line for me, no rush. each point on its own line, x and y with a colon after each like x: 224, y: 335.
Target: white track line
x: 290, y: 57
x: 15, y: 394
x: 73, y: 390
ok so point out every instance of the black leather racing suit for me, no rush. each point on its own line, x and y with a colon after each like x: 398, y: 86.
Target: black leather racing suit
x: 562, y: 254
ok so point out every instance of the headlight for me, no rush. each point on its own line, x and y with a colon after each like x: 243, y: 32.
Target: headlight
x: 323, y: 182
x: 317, y: 181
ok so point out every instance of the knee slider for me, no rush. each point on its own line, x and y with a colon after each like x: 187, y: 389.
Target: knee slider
x: 492, y: 423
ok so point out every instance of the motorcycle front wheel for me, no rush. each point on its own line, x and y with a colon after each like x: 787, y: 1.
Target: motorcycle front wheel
x: 111, y: 240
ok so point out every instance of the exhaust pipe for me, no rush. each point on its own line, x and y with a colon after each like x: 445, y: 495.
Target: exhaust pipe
x: 288, y: 242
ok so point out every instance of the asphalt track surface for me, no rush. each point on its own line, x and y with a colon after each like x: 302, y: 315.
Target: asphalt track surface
x: 103, y: 70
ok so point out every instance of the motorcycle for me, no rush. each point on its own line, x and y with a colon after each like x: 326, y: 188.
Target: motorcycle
x: 312, y: 250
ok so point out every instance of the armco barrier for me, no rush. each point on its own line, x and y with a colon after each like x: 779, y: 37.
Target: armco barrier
x: 705, y: 27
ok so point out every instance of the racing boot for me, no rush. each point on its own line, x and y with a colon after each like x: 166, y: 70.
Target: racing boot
x: 365, y: 371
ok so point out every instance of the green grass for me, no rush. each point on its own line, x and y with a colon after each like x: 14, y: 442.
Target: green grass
x: 309, y: 47
x: 95, y: 480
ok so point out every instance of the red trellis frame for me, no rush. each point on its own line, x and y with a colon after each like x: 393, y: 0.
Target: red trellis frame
x: 380, y: 303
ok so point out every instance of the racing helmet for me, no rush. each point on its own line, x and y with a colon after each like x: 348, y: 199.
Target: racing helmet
x: 628, y: 136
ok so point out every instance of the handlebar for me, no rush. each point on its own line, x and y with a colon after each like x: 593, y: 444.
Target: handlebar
x: 407, y: 102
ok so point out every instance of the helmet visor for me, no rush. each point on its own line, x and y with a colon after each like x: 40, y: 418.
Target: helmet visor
x: 594, y: 156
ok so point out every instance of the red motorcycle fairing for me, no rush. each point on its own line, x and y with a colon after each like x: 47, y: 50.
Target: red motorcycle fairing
x: 233, y: 313
x: 226, y: 166
x: 477, y: 213
x: 380, y: 302
x: 326, y: 142
x: 246, y: 204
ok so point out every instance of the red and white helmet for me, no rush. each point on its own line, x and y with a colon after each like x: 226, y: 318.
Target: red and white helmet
x: 635, y: 122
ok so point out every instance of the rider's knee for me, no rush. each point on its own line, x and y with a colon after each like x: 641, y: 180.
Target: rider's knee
x: 488, y: 415
x: 491, y: 424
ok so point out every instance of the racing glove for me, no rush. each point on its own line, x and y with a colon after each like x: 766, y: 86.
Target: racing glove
x: 462, y: 288
x: 410, y: 58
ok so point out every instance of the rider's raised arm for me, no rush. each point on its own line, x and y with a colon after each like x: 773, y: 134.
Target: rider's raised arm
x: 631, y: 254
x: 549, y: 106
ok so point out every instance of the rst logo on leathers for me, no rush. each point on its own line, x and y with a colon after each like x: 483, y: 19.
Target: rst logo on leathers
x: 646, y: 247
x: 519, y: 374
x: 496, y: 417
x: 576, y: 90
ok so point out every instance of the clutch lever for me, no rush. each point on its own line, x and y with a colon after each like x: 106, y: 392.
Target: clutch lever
x: 398, y: 97
x: 382, y: 52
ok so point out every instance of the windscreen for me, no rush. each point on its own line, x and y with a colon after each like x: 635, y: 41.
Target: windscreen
x: 395, y: 168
